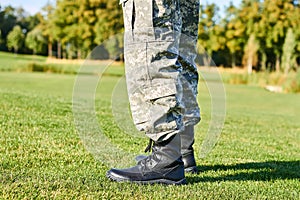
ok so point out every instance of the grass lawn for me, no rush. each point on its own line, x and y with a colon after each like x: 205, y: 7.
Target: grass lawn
x: 42, y: 155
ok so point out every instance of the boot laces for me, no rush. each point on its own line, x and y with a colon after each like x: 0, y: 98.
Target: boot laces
x: 149, y: 158
x: 149, y: 146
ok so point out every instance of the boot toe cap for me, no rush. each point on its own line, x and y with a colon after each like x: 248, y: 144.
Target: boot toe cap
x: 123, y: 175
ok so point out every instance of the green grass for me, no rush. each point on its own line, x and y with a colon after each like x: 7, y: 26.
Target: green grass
x: 16, y: 62
x: 43, y: 157
x: 29, y: 63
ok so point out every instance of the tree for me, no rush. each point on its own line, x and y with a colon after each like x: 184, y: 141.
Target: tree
x: 109, y: 20
x: 62, y: 18
x: 288, y: 50
x: 79, y: 26
x: 35, y: 40
x: 234, y: 31
x: 46, y: 24
x: 108, y: 25
x: 209, y: 33
x: 250, y: 52
x: 10, y: 17
x: 1, y: 40
x: 274, y: 24
x: 295, y: 21
x: 15, y: 38
x: 241, y: 24
x: 7, y: 21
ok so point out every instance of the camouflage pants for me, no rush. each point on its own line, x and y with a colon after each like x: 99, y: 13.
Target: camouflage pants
x: 160, y: 49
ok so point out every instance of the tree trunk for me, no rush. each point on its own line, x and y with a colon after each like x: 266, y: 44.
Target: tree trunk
x: 58, y: 50
x: 287, y: 67
x: 264, y: 61
x: 50, y: 49
x: 249, y: 65
x: 207, y: 60
x: 277, y: 66
x: 233, y: 60
x: 79, y: 54
x: 64, y: 54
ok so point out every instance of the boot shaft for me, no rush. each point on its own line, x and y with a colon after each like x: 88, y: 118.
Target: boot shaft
x: 187, y: 140
x: 166, y: 152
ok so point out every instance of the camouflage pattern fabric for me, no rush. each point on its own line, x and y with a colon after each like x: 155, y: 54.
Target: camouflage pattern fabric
x: 189, y: 10
x: 160, y: 40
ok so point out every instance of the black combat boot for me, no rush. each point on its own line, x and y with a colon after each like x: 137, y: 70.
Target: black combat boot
x: 163, y: 166
x: 187, y: 151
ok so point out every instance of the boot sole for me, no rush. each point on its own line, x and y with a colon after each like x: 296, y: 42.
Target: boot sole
x: 149, y: 182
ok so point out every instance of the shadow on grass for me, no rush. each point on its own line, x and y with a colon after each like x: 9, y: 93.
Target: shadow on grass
x: 256, y: 171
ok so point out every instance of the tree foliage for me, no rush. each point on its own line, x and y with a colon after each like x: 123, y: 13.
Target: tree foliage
x: 263, y: 35
x: 35, y: 40
x: 254, y: 31
x: 81, y: 25
x: 15, y: 38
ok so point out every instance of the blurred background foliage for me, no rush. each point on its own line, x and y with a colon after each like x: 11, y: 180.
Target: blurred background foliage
x: 259, y: 36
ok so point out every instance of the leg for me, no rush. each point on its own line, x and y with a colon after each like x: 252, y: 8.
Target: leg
x: 187, y: 150
x: 152, y: 67
x: 152, y: 31
x: 187, y: 55
x: 187, y: 47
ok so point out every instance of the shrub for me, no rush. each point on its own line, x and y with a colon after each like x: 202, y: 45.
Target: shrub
x: 51, y: 68
x: 35, y: 67
x: 292, y: 83
x: 238, y: 79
